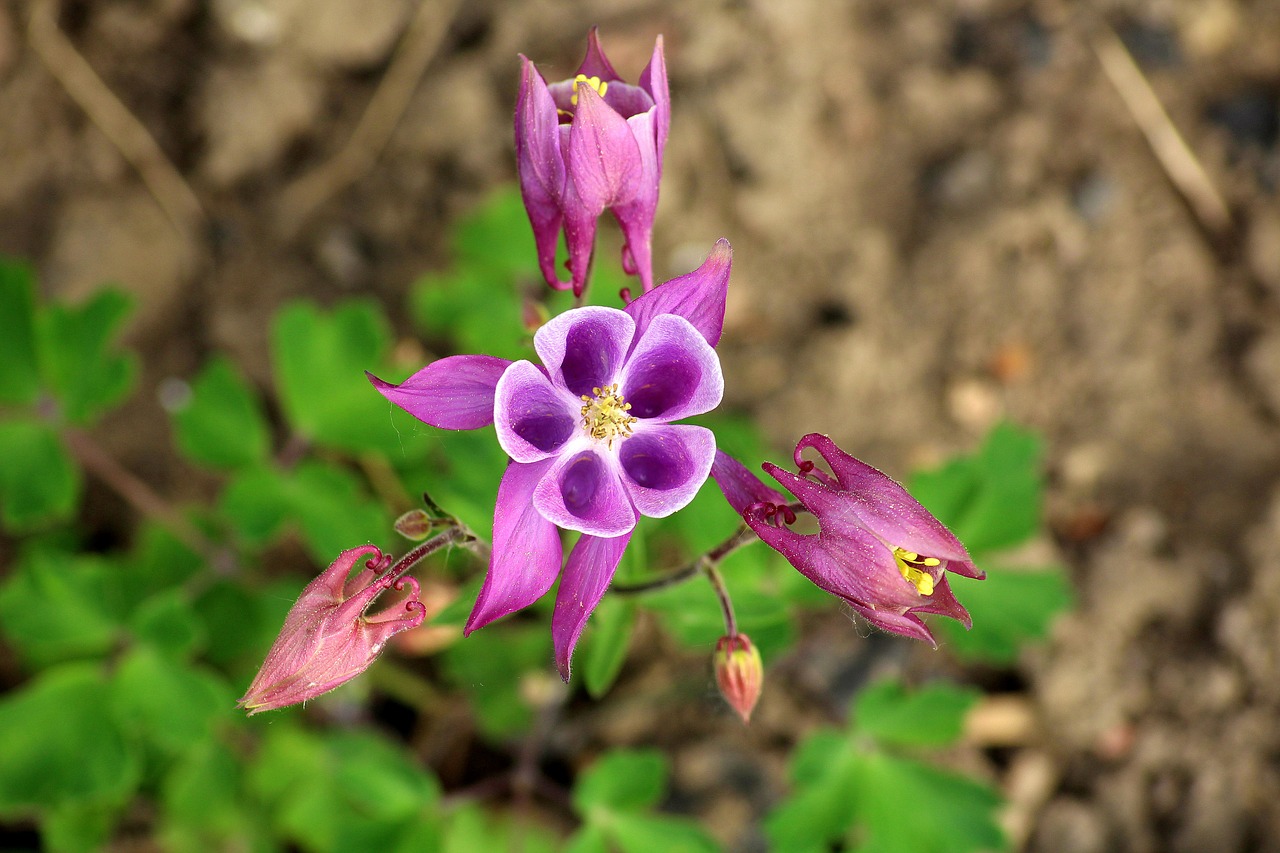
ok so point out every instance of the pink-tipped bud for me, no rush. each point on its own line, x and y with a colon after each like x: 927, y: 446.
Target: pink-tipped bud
x: 740, y: 673
x: 327, y: 639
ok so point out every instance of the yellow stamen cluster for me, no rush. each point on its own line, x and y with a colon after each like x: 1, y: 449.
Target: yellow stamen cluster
x: 914, y: 568
x: 604, y: 416
x: 594, y: 82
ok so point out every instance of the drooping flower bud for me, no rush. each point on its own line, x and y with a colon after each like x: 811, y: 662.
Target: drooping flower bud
x: 739, y: 673
x: 589, y: 144
x: 877, y: 547
x: 327, y: 639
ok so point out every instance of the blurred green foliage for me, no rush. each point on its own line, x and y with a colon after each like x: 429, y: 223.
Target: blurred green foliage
x: 131, y: 657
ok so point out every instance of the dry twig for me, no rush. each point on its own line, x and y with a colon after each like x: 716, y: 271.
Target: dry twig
x: 418, y: 46
x: 130, y: 137
x: 1176, y: 157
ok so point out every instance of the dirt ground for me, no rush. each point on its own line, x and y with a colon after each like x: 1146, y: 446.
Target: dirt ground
x: 944, y: 214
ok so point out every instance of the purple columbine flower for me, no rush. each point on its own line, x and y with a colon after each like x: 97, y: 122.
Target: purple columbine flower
x: 590, y: 144
x: 876, y: 546
x: 590, y: 437
x: 327, y: 639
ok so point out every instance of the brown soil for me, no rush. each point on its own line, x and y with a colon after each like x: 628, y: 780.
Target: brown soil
x: 944, y: 214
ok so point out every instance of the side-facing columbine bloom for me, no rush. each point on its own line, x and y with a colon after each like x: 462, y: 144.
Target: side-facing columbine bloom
x: 590, y: 144
x: 590, y: 437
x: 876, y: 546
x: 327, y: 639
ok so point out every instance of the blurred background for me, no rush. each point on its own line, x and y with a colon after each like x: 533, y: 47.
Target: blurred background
x: 945, y: 216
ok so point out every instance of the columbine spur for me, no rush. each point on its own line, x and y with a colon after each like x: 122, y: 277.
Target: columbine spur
x: 590, y: 437
x: 589, y: 144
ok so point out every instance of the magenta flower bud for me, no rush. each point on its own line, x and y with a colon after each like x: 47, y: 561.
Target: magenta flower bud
x: 590, y: 144
x: 739, y: 673
x: 327, y: 639
x: 876, y: 546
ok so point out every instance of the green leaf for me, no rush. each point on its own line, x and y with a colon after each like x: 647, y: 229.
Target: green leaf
x: 327, y: 502
x: 166, y: 703
x: 223, y: 425
x: 820, y: 809
x: 59, y: 744
x: 496, y: 235
x: 489, y: 666
x: 379, y: 779
x: 471, y: 828
x: 20, y: 378
x: 604, y: 648
x: 905, y: 806
x: 55, y: 606
x: 320, y: 362
x: 929, y: 716
x: 235, y: 623
x: 166, y: 623
x: 589, y: 839
x: 992, y: 499
x: 39, y: 483
x: 201, y: 788
x: 646, y: 833
x: 78, y: 362
x: 342, y: 791
x: 78, y: 826
x: 620, y: 781
x: 1010, y: 608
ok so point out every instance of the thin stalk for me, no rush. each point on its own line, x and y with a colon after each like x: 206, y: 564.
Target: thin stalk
x: 722, y: 593
x: 742, y: 536
x: 417, y: 554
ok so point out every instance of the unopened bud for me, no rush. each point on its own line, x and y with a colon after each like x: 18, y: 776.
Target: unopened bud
x: 740, y: 673
x: 328, y: 639
x: 415, y: 525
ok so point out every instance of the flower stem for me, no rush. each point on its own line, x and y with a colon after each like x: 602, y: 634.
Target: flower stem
x: 722, y: 593
x: 742, y: 536
x: 411, y: 558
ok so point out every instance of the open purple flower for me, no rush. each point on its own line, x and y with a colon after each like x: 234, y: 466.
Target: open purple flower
x: 327, y: 639
x: 876, y: 546
x: 590, y: 144
x: 590, y: 437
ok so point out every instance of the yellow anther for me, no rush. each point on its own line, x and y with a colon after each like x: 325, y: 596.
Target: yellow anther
x: 913, y: 568
x: 594, y: 82
x: 604, y: 416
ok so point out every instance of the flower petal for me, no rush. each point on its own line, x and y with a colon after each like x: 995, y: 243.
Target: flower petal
x: 672, y: 372
x: 452, y: 393
x: 584, y: 491
x: 665, y: 465
x: 533, y: 418
x: 741, y: 487
x: 583, y: 349
x: 699, y: 296
x: 943, y: 601
x: 526, y: 548
x: 635, y: 218
x: 540, y: 164
x: 654, y: 81
x: 595, y: 63
x: 905, y: 624
x: 587, y: 574
x: 887, y: 509
x: 603, y: 158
